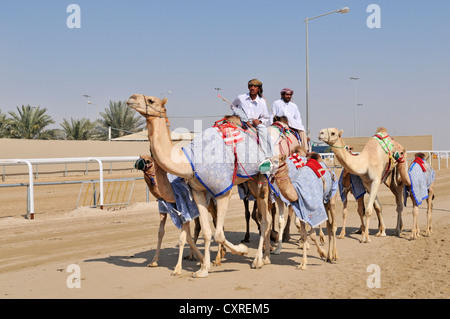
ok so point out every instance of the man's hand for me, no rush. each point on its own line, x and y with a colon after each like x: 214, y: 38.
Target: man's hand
x: 256, y: 122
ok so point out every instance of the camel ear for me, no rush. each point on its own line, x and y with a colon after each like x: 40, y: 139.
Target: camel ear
x: 163, y: 102
x: 341, y: 132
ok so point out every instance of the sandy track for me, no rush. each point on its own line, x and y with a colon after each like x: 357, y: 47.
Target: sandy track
x: 112, y: 249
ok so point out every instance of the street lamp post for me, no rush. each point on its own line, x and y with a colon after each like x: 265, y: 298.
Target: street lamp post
x: 342, y: 10
x: 355, y: 130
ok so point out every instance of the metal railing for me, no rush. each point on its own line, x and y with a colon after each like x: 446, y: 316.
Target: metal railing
x: 31, y: 162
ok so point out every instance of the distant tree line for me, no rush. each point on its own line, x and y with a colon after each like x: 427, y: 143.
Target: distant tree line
x: 33, y: 123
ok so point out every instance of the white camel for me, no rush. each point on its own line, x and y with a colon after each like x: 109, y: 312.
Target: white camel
x: 174, y: 161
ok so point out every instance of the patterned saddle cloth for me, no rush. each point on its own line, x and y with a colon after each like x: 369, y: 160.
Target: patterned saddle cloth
x: 421, y: 177
x: 218, y: 155
x: 309, y: 207
x: 356, y: 184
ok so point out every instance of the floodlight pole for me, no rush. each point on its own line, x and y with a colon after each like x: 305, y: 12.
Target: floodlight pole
x: 342, y: 10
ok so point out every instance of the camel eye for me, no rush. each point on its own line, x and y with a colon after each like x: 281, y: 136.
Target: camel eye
x: 150, y: 101
x: 333, y: 133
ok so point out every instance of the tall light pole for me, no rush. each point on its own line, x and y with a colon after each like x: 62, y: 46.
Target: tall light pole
x: 355, y: 130
x: 341, y: 10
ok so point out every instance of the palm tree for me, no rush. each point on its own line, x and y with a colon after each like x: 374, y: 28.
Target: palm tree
x: 121, y: 119
x: 78, y: 129
x: 30, y: 123
x: 3, y: 124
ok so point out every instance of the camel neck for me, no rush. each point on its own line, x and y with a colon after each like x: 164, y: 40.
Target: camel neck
x: 169, y: 158
x: 350, y: 162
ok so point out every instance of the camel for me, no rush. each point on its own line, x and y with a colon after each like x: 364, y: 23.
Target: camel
x: 159, y: 185
x: 285, y: 143
x: 426, y: 192
x: 286, y: 185
x: 347, y: 188
x: 373, y: 165
x: 175, y: 161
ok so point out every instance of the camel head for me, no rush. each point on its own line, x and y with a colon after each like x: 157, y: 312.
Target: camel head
x: 147, y: 106
x: 330, y: 135
x: 144, y: 163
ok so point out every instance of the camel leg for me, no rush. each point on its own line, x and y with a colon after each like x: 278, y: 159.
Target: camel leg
x: 361, y: 213
x: 200, y: 200
x: 429, y: 209
x: 321, y: 236
x: 344, y: 218
x: 304, y: 238
x: 182, y: 242
x: 381, y: 228
x: 219, y: 236
x: 415, y: 229
x: 247, y: 222
x: 332, y: 229
x: 261, y: 193
x: 162, y: 224
x: 281, y: 226
x: 398, y: 194
x: 373, y: 194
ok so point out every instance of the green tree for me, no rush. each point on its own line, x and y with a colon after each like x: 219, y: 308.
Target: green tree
x: 30, y: 123
x: 3, y: 124
x: 82, y: 129
x: 121, y: 119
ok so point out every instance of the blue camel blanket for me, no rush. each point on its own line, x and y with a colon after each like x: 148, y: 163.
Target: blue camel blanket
x: 420, y: 182
x: 184, y: 209
x: 309, y: 207
x: 213, y: 158
x: 356, y: 184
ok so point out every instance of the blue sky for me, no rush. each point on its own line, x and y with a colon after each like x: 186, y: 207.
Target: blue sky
x: 191, y: 47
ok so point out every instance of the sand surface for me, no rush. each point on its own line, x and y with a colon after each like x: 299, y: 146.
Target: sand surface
x: 112, y: 250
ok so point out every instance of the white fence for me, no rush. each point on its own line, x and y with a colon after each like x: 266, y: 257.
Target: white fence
x: 432, y: 156
x: 31, y: 162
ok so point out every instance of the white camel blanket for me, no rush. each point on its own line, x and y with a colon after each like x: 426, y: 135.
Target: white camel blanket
x: 213, y: 159
x: 184, y: 209
x: 420, y: 182
x: 357, y: 185
x: 309, y: 207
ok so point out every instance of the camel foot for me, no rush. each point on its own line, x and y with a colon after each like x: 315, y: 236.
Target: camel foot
x: 242, y: 250
x: 380, y: 233
x: 428, y: 233
x: 176, y: 272
x: 365, y: 239
x: 257, y: 263
x: 414, y: 234
x: 398, y: 232
x: 302, y: 266
x: 217, y: 263
x: 322, y: 253
x: 277, y: 250
x: 341, y: 235
x: 202, y: 273
x: 153, y: 264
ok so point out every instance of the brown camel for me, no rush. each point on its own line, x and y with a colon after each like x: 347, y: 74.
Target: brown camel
x: 174, y: 161
x: 428, y: 177
x: 373, y: 165
x: 159, y: 185
x: 290, y: 193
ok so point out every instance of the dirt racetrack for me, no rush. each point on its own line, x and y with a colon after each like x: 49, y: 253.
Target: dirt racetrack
x: 113, y: 248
